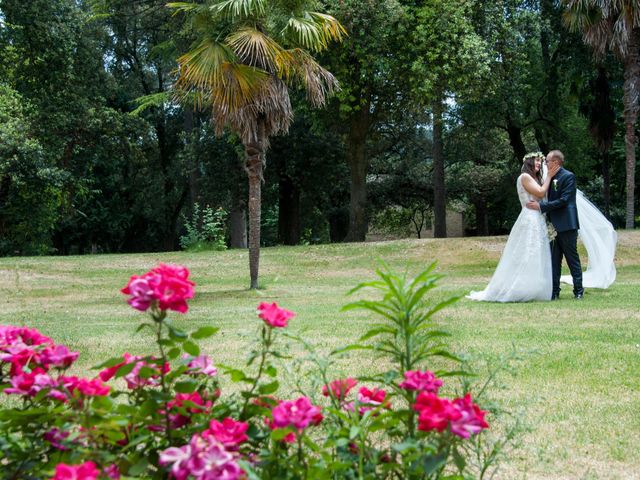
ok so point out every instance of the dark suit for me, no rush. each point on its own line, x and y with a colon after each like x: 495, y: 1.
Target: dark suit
x: 561, y: 210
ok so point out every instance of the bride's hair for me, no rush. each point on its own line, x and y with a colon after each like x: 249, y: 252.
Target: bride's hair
x: 529, y: 166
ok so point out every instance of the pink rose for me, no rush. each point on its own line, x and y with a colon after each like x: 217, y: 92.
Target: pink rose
x: 86, y: 387
x: 298, y: 414
x: 58, y: 356
x: 202, y: 458
x: 435, y: 412
x: 84, y: 471
x: 166, y: 285
x: 273, y: 315
x: 202, y: 364
x: 339, y: 388
x: 421, y: 381
x: 471, y: 420
x: 370, y: 399
x: 228, y: 432
x: 462, y: 416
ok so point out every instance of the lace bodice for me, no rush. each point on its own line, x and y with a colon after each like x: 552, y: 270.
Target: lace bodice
x: 523, y: 195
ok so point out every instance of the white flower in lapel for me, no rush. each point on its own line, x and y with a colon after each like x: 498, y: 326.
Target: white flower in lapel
x: 555, y: 184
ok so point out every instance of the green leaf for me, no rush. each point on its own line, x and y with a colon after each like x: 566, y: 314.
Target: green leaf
x: 354, y: 431
x: 191, y: 348
x: 269, y: 388
x: 377, y: 331
x: 177, y: 334
x: 204, y: 332
x: 279, y: 434
x: 352, y: 347
x: 186, y: 386
x: 147, y: 372
x: 138, y: 468
x: 102, y: 403
x: 271, y: 371
x: 125, y: 369
x: 236, y: 375
x: 112, y: 362
x: 459, y: 460
x: 174, y: 353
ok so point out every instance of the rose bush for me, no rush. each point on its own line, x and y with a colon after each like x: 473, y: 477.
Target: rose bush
x: 164, y: 416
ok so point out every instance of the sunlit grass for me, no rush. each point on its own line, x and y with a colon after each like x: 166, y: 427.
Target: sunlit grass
x: 579, y: 381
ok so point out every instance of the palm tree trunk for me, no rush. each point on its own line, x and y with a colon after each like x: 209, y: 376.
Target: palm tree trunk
x: 630, y: 99
x: 439, y: 193
x: 254, y: 155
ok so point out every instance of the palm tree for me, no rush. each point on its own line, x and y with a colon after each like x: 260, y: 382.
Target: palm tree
x: 247, y: 56
x: 614, y: 25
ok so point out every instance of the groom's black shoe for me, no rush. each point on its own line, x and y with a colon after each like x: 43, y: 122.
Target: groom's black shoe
x: 555, y: 296
x: 578, y: 296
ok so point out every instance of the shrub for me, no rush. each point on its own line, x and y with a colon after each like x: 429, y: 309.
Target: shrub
x: 205, y: 230
x: 167, y: 418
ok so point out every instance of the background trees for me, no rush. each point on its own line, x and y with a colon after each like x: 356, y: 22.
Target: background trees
x: 439, y: 102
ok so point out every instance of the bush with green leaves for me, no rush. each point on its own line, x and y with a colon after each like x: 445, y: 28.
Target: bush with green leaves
x: 205, y: 230
x: 164, y: 415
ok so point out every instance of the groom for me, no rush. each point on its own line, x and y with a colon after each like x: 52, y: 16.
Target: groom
x: 563, y: 213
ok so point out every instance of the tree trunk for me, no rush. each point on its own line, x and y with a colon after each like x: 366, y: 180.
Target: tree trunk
x: 238, y: 226
x: 254, y: 154
x: 358, y: 164
x: 288, y: 211
x: 338, y: 225
x: 606, y: 184
x: 439, y: 192
x: 515, y: 139
x: 193, y: 165
x: 630, y: 99
x: 482, y: 217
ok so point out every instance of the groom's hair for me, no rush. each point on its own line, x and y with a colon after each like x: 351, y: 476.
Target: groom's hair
x: 557, y: 154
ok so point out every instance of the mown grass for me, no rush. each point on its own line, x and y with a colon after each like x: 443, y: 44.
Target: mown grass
x: 579, y: 382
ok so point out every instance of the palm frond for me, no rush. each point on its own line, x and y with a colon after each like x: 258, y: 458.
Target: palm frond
x: 332, y: 28
x: 313, y: 30
x: 183, y: 7
x: 318, y: 82
x: 305, y: 33
x: 148, y: 101
x: 255, y: 48
x: 239, y: 8
x: 202, y: 67
x: 271, y: 104
x: 604, y: 24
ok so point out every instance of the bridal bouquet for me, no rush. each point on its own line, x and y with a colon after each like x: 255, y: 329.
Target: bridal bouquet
x: 551, y: 231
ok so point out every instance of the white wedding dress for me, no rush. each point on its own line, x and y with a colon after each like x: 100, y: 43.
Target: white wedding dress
x: 524, y: 271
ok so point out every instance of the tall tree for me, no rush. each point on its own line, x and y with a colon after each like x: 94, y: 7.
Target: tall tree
x: 247, y: 56
x: 451, y: 62
x: 614, y: 25
x: 370, y: 67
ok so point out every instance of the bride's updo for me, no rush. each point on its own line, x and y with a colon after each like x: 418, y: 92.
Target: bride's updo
x: 529, y: 165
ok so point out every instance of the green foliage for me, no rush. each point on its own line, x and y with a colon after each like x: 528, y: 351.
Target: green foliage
x: 29, y: 185
x: 205, y: 230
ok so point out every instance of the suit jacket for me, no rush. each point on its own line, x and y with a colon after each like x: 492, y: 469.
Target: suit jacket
x: 561, y: 202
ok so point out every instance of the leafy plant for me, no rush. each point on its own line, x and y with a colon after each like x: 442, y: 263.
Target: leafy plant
x: 166, y: 416
x: 205, y: 230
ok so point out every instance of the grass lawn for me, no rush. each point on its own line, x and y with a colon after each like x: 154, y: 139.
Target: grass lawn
x: 578, y: 383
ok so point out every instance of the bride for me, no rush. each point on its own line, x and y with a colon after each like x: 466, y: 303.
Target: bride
x: 524, y: 270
